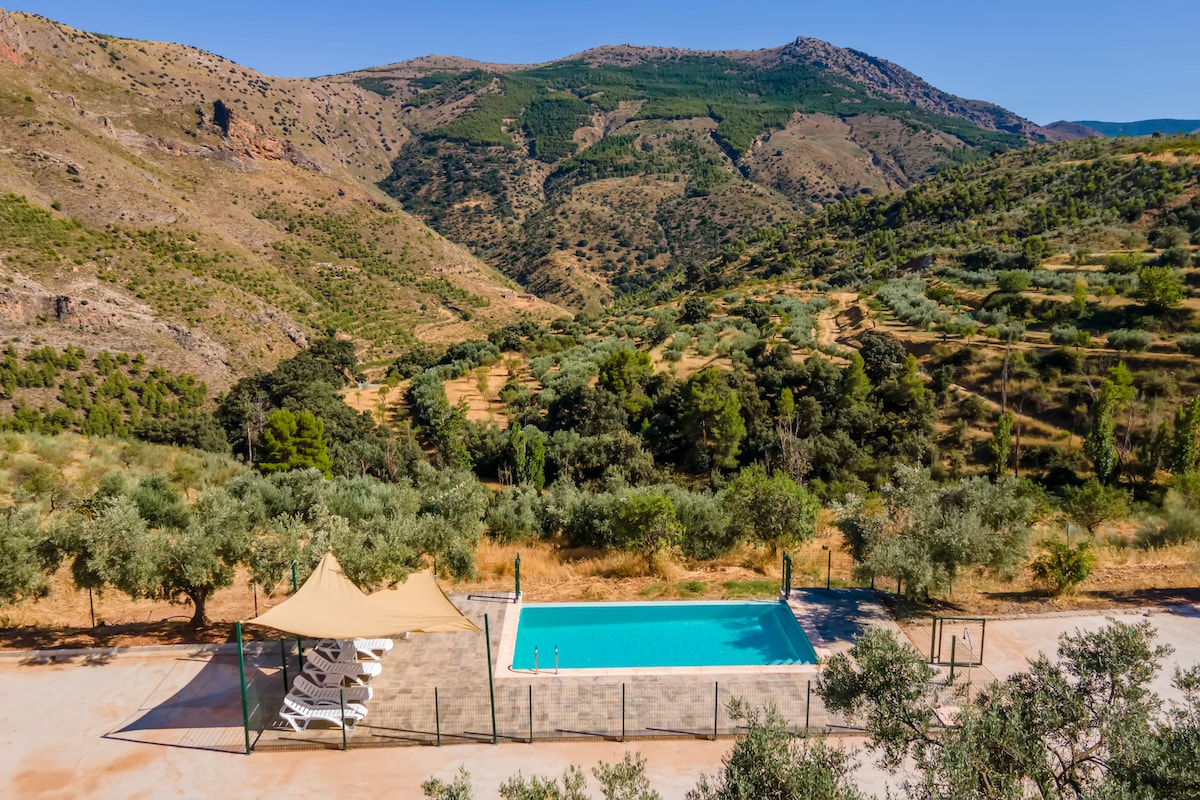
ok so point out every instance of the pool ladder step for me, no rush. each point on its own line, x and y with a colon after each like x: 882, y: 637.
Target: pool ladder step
x: 535, y: 660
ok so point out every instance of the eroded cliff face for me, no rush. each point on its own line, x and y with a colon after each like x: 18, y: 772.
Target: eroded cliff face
x: 246, y: 139
x: 12, y: 41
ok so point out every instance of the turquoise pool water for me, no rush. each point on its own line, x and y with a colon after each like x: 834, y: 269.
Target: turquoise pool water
x: 688, y: 634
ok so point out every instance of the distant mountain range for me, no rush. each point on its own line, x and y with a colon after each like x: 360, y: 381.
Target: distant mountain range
x: 595, y: 174
x: 1142, y: 127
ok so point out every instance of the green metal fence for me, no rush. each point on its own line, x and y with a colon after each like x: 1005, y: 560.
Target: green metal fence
x: 957, y: 641
x: 546, y: 709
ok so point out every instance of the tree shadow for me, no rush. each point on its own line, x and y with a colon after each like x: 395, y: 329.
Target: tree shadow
x: 95, y: 658
x: 168, y: 631
x: 1181, y: 599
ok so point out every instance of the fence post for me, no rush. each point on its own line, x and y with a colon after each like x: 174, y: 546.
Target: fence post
x: 716, y: 706
x: 437, y: 717
x: 342, y: 706
x: 953, y: 655
x: 622, y: 711
x: 531, y: 713
x: 807, y: 705
x: 933, y: 639
x: 487, y: 634
x: 283, y: 662
x: 242, y: 674
x: 517, y: 573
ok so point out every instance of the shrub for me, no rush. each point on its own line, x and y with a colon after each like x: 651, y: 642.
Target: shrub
x: 1123, y: 263
x: 512, y: 515
x: 706, y: 529
x: 1094, y: 503
x: 1134, y: 341
x: 1189, y: 344
x: 1070, y: 336
x: 1062, y: 567
x: 646, y: 522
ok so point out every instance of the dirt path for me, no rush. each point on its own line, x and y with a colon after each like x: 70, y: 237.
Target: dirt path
x: 837, y: 323
x: 1028, y: 424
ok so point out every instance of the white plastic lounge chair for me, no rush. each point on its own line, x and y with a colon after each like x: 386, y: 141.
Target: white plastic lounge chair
x: 373, y: 649
x: 350, y: 649
x: 323, y: 672
x: 335, y: 649
x: 305, y: 689
x: 299, y: 713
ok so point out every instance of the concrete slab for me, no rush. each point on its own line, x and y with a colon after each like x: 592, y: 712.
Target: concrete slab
x: 1012, y: 642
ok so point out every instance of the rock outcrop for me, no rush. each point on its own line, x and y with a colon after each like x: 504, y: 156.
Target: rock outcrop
x: 12, y: 41
x: 247, y: 139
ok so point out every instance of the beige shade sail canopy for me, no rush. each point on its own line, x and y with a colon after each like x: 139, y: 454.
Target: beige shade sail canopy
x: 330, y: 606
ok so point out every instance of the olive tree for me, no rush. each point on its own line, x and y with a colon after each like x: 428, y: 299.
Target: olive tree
x: 147, y: 544
x: 771, y: 509
x: 924, y: 533
x: 24, y: 560
x: 1084, y: 725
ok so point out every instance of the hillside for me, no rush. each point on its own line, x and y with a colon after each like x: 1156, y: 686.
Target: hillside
x: 1017, y: 283
x: 591, y: 176
x: 160, y: 199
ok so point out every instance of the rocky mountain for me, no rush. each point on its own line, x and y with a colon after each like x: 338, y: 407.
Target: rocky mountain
x: 596, y: 174
x: 159, y: 198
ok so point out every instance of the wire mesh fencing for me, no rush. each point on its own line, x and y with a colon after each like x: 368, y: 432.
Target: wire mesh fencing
x: 548, y: 709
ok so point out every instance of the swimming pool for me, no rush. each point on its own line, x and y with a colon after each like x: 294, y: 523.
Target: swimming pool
x: 684, y: 634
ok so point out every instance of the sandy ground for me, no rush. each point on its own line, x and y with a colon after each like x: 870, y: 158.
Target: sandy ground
x: 141, y: 724
x: 1011, y: 642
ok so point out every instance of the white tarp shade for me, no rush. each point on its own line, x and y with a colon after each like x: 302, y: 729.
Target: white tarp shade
x: 330, y: 606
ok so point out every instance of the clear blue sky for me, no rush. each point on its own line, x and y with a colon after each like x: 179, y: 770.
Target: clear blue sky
x: 1044, y: 59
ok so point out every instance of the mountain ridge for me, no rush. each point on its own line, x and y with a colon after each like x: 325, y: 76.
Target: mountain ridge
x: 1142, y: 127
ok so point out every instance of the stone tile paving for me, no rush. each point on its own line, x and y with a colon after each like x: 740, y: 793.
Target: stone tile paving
x: 437, y: 685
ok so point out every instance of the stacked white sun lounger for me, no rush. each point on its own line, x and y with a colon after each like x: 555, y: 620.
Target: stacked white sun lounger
x: 335, y: 683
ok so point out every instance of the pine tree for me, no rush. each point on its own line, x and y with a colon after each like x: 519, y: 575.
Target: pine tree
x: 1185, y: 438
x: 294, y: 441
x: 1000, y: 444
x: 311, y: 452
x: 278, y: 442
x: 855, y: 383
